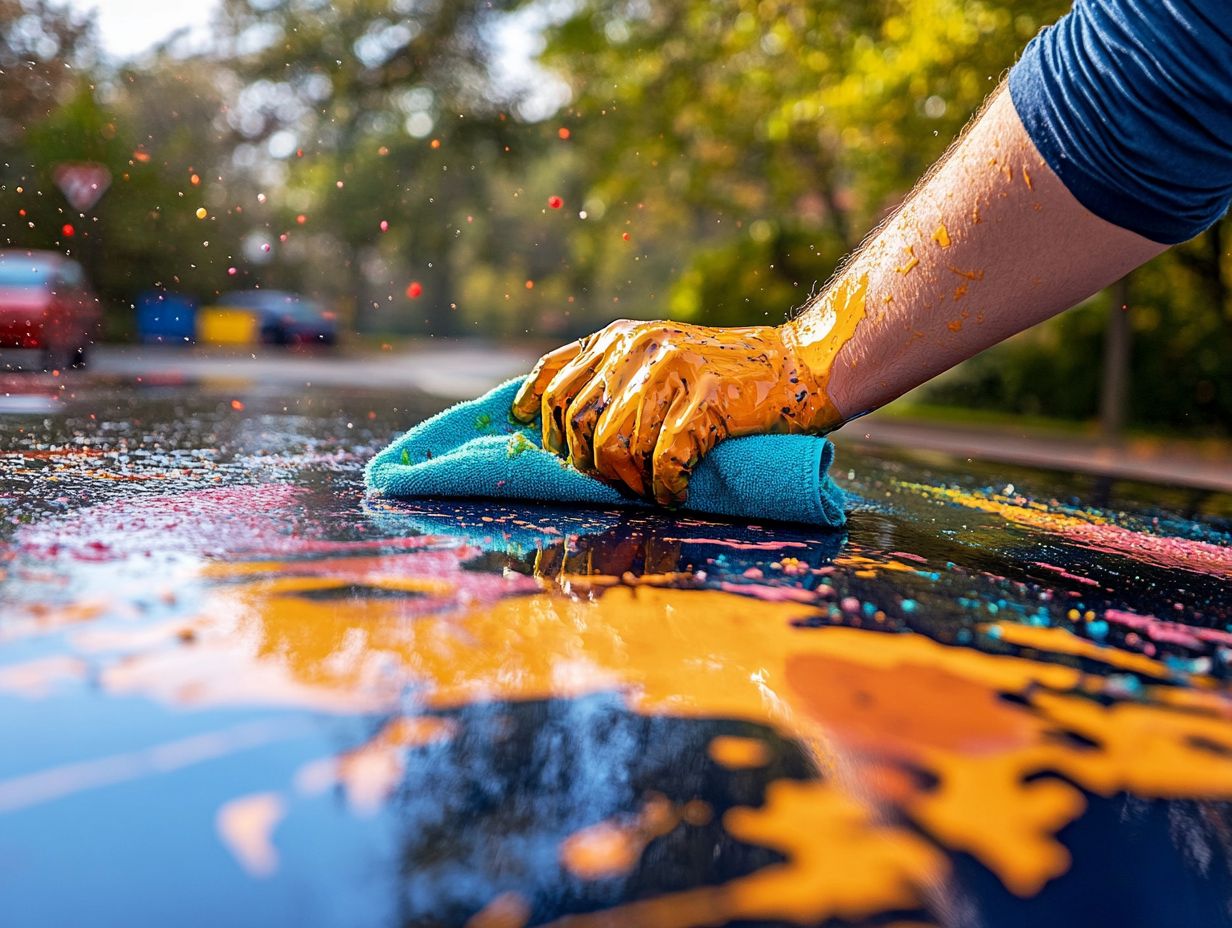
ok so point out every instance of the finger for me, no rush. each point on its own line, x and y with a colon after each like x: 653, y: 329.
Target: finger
x: 626, y: 433
x: 567, y: 384
x: 526, y: 403
x: 690, y: 430
x: 580, y: 420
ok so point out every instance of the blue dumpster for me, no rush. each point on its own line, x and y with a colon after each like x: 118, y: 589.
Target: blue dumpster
x: 166, y: 319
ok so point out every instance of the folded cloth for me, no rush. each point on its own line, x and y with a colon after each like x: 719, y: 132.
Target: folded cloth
x: 476, y: 449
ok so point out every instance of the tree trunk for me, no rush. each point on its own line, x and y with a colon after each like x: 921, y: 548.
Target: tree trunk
x: 1118, y: 337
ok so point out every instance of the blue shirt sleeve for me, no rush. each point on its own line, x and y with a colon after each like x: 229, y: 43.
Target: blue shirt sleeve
x: 1130, y: 104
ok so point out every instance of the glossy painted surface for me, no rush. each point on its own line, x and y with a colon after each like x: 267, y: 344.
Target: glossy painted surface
x: 234, y: 692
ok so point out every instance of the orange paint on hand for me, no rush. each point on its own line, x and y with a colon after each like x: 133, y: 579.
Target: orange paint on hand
x: 640, y: 403
x: 968, y: 275
x: 908, y: 266
x: 942, y: 236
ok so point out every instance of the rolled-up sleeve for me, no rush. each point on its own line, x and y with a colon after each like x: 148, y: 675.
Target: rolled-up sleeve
x: 1130, y: 103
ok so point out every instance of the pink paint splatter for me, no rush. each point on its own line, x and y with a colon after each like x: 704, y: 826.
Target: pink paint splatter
x: 1168, y: 632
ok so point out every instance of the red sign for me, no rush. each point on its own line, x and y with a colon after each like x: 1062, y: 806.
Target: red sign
x: 82, y: 184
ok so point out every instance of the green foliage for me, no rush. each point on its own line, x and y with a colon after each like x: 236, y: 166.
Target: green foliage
x: 716, y: 160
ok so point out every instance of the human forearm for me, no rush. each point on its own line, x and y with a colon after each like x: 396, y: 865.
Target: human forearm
x: 990, y: 244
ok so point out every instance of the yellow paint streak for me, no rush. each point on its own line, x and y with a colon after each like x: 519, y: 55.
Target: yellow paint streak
x: 1026, y: 176
x: 1061, y: 641
x: 1091, y: 531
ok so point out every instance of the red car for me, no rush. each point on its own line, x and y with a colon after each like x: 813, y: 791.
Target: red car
x: 47, y: 305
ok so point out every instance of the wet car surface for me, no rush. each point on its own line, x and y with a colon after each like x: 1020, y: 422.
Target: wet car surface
x: 234, y: 691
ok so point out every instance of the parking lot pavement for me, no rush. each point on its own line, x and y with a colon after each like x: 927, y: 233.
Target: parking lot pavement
x: 447, y: 369
x: 1154, y: 461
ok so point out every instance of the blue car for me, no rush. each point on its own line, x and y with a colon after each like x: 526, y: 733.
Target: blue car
x: 287, y: 318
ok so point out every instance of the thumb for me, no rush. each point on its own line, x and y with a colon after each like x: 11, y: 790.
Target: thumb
x: 526, y: 403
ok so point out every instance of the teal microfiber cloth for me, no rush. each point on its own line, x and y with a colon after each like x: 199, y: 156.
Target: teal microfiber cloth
x: 476, y: 449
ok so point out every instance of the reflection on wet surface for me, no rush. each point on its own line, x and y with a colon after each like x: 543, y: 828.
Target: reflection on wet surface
x: 236, y: 692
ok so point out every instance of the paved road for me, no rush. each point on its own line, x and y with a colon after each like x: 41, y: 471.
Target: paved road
x: 451, y: 370
x: 1155, y: 462
x: 459, y: 370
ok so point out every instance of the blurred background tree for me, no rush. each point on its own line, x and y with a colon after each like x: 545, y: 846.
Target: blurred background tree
x: 516, y: 168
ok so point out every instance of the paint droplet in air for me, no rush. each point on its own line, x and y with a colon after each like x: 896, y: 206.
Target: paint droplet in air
x: 414, y: 290
x: 202, y: 212
x: 625, y: 236
x: 237, y: 405
x: 436, y: 143
x: 555, y: 202
x: 67, y: 230
x: 563, y: 132
x: 301, y: 219
x: 384, y: 226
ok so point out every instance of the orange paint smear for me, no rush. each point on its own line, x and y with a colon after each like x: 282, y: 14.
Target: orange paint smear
x: 739, y: 753
x: 869, y: 705
x: 614, y: 847
x: 508, y: 910
x: 246, y: 826
x: 880, y: 868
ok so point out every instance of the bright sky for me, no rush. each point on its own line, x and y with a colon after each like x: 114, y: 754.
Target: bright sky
x: 129, y: 27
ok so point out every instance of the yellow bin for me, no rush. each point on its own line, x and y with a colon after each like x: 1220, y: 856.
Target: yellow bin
x: 220, y: 325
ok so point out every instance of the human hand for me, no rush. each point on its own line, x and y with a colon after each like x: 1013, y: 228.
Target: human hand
x: 640, y: 403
